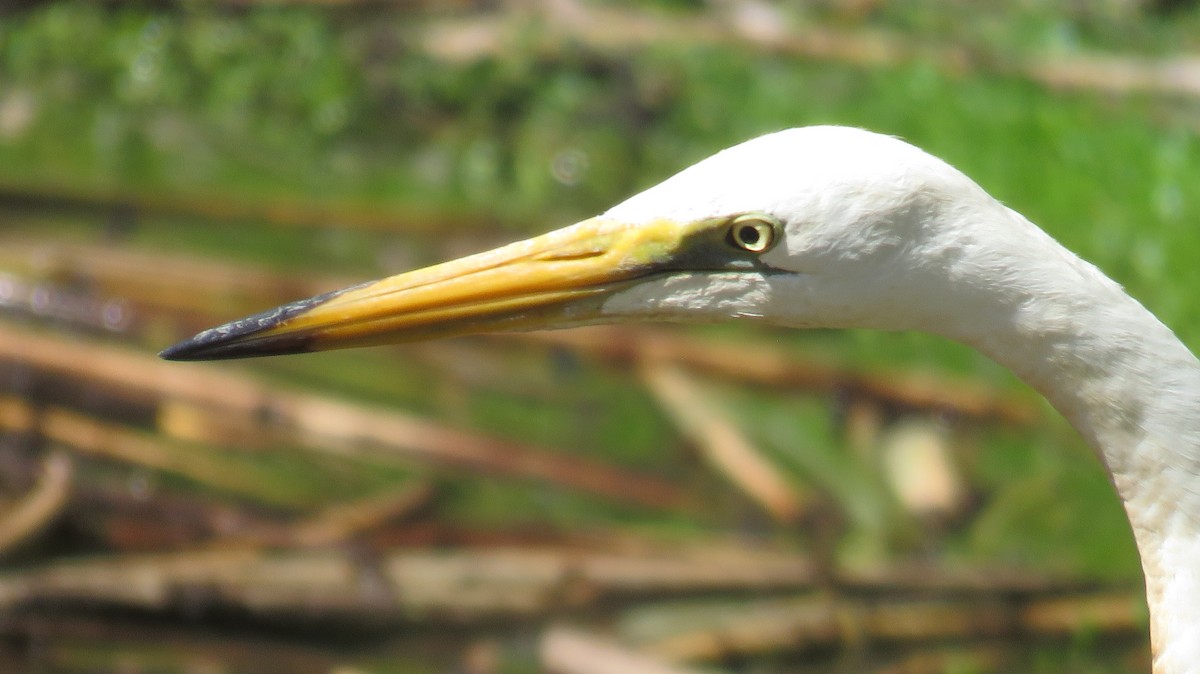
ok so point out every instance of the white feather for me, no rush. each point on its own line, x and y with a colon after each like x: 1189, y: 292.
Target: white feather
x: 879, y: 234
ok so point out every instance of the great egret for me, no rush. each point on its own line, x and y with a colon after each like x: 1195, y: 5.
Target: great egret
x: 834, y: 227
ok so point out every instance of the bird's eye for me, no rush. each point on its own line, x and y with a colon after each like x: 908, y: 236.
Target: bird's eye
x: 754, y: 233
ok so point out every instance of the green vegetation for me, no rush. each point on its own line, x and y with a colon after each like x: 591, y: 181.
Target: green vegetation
x: 345, y: 108
x: 348, y: 107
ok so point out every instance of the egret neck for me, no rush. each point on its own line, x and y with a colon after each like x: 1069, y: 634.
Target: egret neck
x: 1125, y: 382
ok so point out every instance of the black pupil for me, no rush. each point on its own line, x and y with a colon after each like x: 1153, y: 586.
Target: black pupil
x: 749, y: 235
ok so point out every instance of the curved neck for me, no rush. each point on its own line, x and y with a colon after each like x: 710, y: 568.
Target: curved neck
x: 1130, y: 387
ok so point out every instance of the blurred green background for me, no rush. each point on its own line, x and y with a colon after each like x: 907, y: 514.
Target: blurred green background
x: 165, y: 166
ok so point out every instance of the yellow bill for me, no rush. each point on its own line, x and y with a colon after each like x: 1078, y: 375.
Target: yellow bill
x: 554, y: 280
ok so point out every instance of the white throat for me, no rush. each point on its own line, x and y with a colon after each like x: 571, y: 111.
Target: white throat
x: 1129, y: 386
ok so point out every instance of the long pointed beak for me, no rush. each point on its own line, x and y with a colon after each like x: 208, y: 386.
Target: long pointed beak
x: 555, y: 280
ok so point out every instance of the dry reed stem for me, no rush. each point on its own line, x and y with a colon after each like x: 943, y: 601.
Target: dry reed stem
x: 503, y: 582
x: 41, y: 506
x: 819, y: 622
x: 769, y: 366
x: 342, y: 521
x: 453, y: 586
x: 317, y: 422
x: 722, y: 442
x: 618, y: 31
x: 565, y: 650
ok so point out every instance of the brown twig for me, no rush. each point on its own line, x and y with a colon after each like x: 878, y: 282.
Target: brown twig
x: 176, y: 283
x: 480, y: 584
x: 340, y: 522
x: 798, y: 625
x: 152, y: 518
x: 1178, y: 75
x: 618, y: 31
x: 321, y: 423
x: 722, y: 442
x: 763, y: 364
x: 40, y: 507
x: 570, y: 651
x: 453, y: 586
x: 86, y: 436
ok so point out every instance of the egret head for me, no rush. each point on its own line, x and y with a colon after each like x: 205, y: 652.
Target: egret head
x: 809, y: 227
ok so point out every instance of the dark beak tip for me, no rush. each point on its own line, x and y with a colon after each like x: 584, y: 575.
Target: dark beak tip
x: 175, y: 352
x: 232, y: 340
x: 195, y: 349
x: 204, y: 346
x: 245, y: 338
x: 201, y: 348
